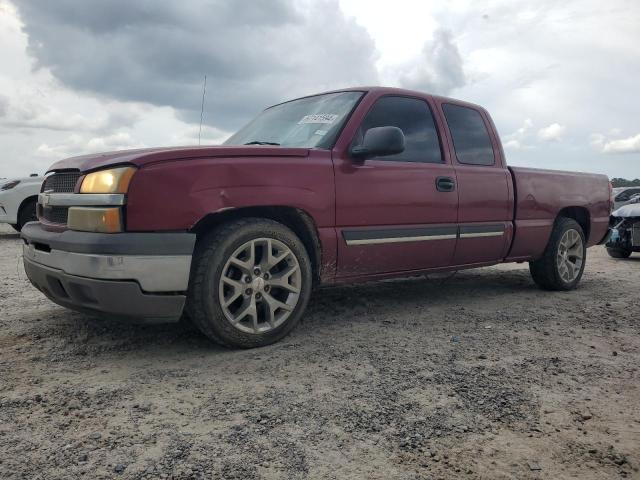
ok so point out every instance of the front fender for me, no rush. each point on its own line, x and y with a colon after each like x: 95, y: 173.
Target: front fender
x: 176, y: 195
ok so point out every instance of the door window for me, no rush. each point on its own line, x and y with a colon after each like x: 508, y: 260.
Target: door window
x: 471, y: 140
x: 414, y: 118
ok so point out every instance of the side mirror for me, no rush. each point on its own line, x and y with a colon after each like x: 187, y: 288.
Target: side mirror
x: 378, y: 142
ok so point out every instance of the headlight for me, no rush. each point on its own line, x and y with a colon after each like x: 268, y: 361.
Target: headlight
x: 10, y: 185
x: 114, y: 180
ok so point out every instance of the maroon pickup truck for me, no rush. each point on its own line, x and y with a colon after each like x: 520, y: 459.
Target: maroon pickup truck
x: 352, y: 185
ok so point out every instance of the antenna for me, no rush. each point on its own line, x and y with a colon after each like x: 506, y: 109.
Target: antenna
x: 204, y: 91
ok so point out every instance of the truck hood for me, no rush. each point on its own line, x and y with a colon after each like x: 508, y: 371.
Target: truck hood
x: 627, y: 211
x: 146, y: 156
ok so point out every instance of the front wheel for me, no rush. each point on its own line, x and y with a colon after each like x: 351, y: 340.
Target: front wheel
x: 250, y: 284
x: 562, y: 263
x: 618, y: 252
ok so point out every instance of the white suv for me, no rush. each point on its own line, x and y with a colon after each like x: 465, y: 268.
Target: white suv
x: 18, y: 199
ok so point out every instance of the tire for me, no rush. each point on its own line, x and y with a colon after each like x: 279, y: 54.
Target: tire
x: 26, y: 214
x: 221, y: 273
x: 618, y: 252
x: 552, y: 270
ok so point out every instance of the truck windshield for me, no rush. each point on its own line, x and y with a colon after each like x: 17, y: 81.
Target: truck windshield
x: 310, y: 122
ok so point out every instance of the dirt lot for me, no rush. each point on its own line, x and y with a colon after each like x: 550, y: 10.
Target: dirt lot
x: 479, y: 375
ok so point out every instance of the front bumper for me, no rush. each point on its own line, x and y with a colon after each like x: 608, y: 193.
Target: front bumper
x: 135, y: 275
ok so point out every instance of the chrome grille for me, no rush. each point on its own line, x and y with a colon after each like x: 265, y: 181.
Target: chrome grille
x: 64, y: 182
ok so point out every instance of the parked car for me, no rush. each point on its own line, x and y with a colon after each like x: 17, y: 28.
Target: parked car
x: 622, y: 195
x: 18, y: 198
x: 345, y: 186
x: 625, y: 229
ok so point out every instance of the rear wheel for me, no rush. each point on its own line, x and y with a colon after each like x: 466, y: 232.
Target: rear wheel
x: 563, y: 261
x: 618, y: 252
x: 250, y: 284
x: 26, y: 214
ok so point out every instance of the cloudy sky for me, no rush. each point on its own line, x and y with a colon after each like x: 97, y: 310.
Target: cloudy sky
x: 561, y: 78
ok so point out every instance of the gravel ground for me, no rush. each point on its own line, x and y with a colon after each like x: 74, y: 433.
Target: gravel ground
x: 476, y: 375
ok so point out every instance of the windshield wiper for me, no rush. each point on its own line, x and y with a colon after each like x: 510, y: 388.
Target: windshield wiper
x: 257, y: 142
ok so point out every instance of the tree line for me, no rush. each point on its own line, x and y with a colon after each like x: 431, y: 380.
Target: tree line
x: 623, y: 182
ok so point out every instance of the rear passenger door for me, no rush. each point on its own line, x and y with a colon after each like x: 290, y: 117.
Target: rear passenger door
x: 395, y: 213
x: 485, y: 209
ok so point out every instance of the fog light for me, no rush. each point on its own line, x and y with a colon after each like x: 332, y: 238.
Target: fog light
x: 87, y: 219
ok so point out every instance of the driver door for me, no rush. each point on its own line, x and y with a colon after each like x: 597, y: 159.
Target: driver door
x: 399, y: 212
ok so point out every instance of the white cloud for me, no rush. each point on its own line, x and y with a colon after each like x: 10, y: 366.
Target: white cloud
x: 191, y: 135
x: 117, y: 141
x: 396, y: 46
x: 518, y: 139
x: 82, y: 143
x: 438, y: 70
x: 76, y: 144
x: 25, y: 110
x: 512, y: 145
x: 620, y: 145
x: 552, y: 133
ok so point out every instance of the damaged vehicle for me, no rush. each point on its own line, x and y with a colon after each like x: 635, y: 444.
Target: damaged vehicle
x: 341, y: 187
x: 625, y: 230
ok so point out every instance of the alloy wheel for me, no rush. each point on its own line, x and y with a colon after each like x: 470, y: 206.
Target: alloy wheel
x: 260, y: 285
x: 570, y: 256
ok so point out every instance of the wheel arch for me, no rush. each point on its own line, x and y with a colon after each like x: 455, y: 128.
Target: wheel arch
x: 299, y: 221
x: 23, y: 204
x: 580, y: 215
x: 25, y: 200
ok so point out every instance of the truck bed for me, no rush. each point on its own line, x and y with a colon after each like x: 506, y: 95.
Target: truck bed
x: 541, y: 194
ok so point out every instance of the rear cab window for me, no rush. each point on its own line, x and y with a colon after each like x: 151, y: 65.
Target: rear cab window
x: 471, y: 139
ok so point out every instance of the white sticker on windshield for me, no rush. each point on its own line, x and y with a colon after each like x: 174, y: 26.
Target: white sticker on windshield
x: 320, y: 132
x: 319, y: 118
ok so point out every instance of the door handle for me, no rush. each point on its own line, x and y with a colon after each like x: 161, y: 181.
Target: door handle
x: 445, y: 184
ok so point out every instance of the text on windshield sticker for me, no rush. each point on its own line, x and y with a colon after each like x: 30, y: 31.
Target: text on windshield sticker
x: 318, y: 118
